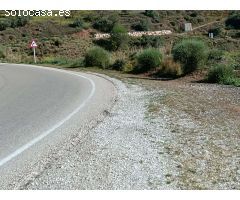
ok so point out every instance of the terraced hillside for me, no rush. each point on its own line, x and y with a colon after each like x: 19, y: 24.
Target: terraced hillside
x: 69, y: 37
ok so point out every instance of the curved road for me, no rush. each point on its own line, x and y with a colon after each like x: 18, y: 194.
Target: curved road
x: 36, y: 102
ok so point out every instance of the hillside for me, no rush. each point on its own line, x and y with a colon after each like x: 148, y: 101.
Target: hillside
x: 55, y: 36
x: 66, y: 40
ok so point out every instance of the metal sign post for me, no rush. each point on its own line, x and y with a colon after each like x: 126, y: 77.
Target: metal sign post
x: 34, y: 54
x: 33, y: 45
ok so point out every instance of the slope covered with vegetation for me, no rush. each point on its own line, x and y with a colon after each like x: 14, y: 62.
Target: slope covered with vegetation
x: 68, y: 40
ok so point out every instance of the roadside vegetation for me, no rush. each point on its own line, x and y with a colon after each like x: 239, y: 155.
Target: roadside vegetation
x: 223, y: 74
x: 147, y: 60
x: 97, y: 57
x: 13, y: 22
x: 191, y: 53
x: 70, y: 42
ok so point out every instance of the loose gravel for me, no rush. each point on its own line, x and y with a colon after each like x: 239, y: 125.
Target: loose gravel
x: 158, y: 135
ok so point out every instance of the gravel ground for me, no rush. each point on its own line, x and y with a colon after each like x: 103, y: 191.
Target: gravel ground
x: 204, y: 125
x: 158, y: 135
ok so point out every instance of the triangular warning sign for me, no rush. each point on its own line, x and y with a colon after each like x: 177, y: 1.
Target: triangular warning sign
x: 33, y: 44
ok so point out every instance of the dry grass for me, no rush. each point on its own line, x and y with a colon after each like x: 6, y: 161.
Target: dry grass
x: 171, y: 68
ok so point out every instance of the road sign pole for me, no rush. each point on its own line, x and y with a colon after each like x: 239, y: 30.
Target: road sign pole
x: 34, y: 55
x: 33, y: 45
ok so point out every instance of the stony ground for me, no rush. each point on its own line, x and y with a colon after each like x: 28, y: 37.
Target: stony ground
x: 158, y: 135
x: 203, y: 123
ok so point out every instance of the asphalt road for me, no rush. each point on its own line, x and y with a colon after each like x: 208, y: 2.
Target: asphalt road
x: 37, y: 102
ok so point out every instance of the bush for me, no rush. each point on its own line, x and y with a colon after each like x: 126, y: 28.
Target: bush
x: 104, y: 43
x: 97, y: 57
x: 13, y: 22
x: 22, y: 21
x: 19, y: 21
x: 215, y: 55
x: 193, y: 14
x: 233, y: 21
x: 190, y: 53
x: 119, y: 37
x: 78, y: 22
x: 128, y: 67
x: 170, y: 68
x: 77, y: 63
x: 4, y: 23
x: 216, y: 31
x: 55, y: 60
x: 61, y: 61
x: 152, y: 41
x: 232, y: 59
x: 150, y: 13
x: 153, y: 14
x: 237, y: 35
x: 148, y: 59
x: 2, y: 53
x: 56, y: 41
x: 143, y: 25
x: 221, y: 74
x: 118, y: 64
x: 104, y: 24
x: 147, y: 41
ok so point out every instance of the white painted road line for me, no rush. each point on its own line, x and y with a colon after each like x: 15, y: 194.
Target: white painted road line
x: 47, y: 132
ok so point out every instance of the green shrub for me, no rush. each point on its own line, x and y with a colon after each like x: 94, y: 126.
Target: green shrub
x: 2, y: 53
x: 200, y: 19
x: 104, y: 43
x: 56, y: 41
x: 151, y: 41
x: 215, y: 55
x: 220, y: 74
x: 150, y: 13
x: 216, y: 31
x: 118, y: 64
x: 142, y: 25
x: 4, y: 23
x: 236, y: 35
x: 233, y: 21
x: 19, y: 21
x: 153, y: 14
x: 191, y: 53
x: 55, y: 60
x: 193, y: 14
x: 77, y: 63
x: 13, y: 22
x: 148, y: 59
x: 98, y: 57
x: 128, y: 67
x: 77, y: 23
x: 119, y: 37
x: 61, y: 61
x: 147, y: 41
x: 22, y: 21
x: 232, y: 59
x: 104, y: 24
